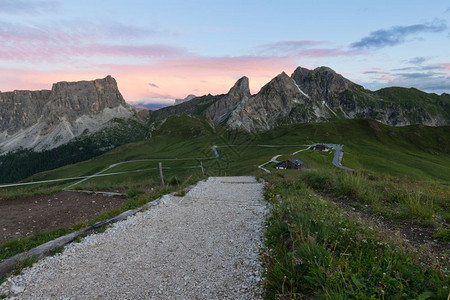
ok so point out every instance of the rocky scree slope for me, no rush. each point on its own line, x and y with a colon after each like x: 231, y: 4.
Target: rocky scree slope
x: 315, y: 95
x: 49, y: 118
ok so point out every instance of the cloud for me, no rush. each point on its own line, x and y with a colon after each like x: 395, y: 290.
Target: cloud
x: 302, y: 49
x: 153, y: 85
x: 445, y: 66
x: 66, y: 43
x: 21, y: 7
x: 432, y: 78
x: 417, y: 60
x: 377, y: 74
x: 375, y: 71
x: 417, y: 75
x: 426, y: 82
x: 421, y: 68
x: 286, y: 47
x: 397, y: 35
x: 153, y: 103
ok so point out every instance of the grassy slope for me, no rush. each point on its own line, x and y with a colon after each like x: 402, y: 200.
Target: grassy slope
x: 417, y: 152
x: 421, y: 154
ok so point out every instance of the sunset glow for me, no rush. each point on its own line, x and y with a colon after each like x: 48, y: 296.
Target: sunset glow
x: 159, y: 52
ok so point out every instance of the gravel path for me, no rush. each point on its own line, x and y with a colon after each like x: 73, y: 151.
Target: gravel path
x: 201, y: 246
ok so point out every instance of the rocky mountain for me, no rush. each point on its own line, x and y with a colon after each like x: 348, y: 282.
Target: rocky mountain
x: 314, y: 96
x: 351, y: 101
x: 45, y: 119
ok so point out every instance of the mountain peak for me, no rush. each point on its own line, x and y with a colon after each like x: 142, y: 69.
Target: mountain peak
x: 241, y: 87
x: 321, y: 81
x: 220, y: 110
x: 324, y: 69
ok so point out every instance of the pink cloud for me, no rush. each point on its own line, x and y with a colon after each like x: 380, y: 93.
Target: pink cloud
x: 64, y: 43
x: 378, y: 74
x: 445, y: 66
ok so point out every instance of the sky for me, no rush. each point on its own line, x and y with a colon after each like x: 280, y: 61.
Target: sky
x: 162, y: 50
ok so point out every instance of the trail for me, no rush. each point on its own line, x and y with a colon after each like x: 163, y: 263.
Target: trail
x: 202, y: 246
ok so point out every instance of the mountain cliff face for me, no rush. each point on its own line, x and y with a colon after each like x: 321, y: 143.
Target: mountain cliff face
x: 315, y: 96
x: 279, y: 102
x: 46, y: 119
x: 221, y: 110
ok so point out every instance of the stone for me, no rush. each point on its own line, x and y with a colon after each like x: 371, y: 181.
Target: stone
x: 15, y: 289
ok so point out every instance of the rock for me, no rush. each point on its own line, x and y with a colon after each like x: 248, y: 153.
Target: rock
x: 221, y: 110
x: 272, y: 106
x: 49, y: 118
x: 15, y: 289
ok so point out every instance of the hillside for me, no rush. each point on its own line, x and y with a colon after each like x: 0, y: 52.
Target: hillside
x: 22, y: 163
x: 415, y: 151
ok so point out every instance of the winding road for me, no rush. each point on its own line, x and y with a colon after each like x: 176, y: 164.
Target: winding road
x: 337, y: 158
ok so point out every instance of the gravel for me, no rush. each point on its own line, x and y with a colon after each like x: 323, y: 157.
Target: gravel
x: 201, y: 246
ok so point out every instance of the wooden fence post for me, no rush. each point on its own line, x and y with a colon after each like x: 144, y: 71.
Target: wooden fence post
x: 161, y: 174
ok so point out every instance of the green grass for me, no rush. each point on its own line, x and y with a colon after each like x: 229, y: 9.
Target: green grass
x: 424, y: 202
x: 22, y: 264
x: 19, y: 245
x: 313, y: 249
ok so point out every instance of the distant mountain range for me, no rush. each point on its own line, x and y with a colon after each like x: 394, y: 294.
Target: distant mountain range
x: 42, y: 120
x: 315, y: 95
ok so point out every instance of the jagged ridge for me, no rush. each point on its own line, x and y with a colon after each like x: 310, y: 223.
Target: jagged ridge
x: 314, y: 96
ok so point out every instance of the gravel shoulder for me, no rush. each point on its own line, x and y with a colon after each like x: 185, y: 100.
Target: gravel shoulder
x: 201, y: 246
